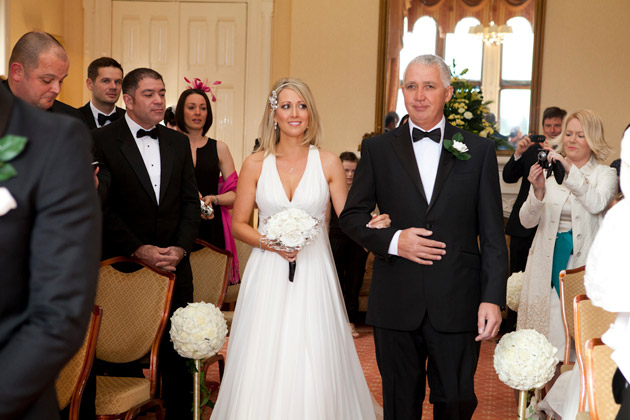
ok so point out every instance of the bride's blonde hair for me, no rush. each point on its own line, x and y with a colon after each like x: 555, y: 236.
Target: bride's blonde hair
x: 269, y: 135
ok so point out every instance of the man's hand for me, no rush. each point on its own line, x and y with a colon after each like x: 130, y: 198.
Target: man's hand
x: 488, y: 321
x: 165, y: 258
x: 522, y: 145
x: 413, y: 245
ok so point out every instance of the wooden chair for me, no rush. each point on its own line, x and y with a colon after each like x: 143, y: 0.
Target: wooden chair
x: 244, y: 251
x: 571, y: 285
x: 72, y: 378
x: 600, y: 369
x: 211, y: 270
x: 590, y: 322
x: 136, y: 307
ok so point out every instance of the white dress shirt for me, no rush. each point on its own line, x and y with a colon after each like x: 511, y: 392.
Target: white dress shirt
x: 95, y: 113
x: 427, y: 154
x: 150, y: 151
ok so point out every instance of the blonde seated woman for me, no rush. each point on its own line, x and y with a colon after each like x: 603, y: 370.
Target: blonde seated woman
x: 291, y: 354
x: 568, y: 216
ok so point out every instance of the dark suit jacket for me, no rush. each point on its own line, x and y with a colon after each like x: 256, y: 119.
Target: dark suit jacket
x: 88, y: 117
x: 132, y: 216
x: 512, y: 172
x: 49, y: 254
x: 466, y: 205
x: 57, y: 107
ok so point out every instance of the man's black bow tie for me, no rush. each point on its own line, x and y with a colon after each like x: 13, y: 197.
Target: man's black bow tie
x: 434, y: 135
x: 102, y: 118
x: 153, y: 133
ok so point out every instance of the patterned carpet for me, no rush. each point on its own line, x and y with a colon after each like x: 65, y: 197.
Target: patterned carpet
x: 496, y: 400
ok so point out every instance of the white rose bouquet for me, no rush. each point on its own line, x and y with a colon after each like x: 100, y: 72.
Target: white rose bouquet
x: 198, y: 331
x: 290, y: 230
x: 525, y: 360
x: 514, y: 286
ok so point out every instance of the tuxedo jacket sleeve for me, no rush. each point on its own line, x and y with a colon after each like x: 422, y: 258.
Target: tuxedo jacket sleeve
x: 465, y: 213
x: 49, y: 254
x: 132, y: 216
x: 513, y: 171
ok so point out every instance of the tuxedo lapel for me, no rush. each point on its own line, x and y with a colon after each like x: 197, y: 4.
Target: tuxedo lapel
x: 166, y: 161
x: 447, y: 160
x: 130, y: 150
x: 6, y: 106
x: 404, y: 149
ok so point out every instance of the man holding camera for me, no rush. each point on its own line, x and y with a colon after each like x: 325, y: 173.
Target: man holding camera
x: 525, y: 155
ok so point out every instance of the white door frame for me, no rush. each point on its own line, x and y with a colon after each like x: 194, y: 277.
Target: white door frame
x: 97, y: 36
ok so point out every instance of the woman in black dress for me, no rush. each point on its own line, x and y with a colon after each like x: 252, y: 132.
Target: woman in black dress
x: 214, y: 167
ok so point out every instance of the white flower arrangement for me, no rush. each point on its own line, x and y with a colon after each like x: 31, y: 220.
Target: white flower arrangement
x: 7, y: 202
x: 290, y: 229
x: 198, y: 331
x: 525, y: 360
x: 513, y: 292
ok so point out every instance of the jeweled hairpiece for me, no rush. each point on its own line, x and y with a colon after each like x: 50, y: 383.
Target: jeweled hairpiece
x: 198, y: 84
x: 273, y: 99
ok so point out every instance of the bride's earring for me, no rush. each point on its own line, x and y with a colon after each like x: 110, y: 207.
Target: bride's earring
x: 275, y: 125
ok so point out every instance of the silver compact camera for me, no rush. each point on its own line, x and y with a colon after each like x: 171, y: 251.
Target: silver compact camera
x: 207, y: 211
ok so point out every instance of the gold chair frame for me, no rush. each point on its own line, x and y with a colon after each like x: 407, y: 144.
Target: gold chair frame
x: 84, y: 358
x: 153, y: 401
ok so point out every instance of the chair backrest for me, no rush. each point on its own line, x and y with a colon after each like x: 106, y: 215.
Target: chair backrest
x: 71, y: 380
x: 590, y: 322
x: 243, y: 251
x: 136, y: 306
x: 211, y: 270
x: 600, y: 369
x: 571, y: 285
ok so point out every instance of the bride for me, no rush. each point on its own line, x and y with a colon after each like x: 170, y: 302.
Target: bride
x: 291, y: 354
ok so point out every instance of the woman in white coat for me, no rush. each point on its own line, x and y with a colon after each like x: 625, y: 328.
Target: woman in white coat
x: 568, y: 217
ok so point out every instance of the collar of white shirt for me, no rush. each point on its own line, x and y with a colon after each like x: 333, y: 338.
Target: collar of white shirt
x: 95, y: 112
x: 441, y: 125
x: 134, y: 126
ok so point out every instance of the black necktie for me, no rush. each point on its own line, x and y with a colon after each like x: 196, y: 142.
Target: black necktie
x: 102, y: 118
x: 434, y: 135
x: 153, y: 133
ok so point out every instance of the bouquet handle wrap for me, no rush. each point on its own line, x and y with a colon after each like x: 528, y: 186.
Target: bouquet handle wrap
x: 291, y: 270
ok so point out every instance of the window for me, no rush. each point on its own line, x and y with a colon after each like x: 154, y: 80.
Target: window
x: 466, y: 49
x: 516, y: 77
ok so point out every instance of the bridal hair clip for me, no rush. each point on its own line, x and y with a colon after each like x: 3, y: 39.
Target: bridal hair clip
x: 198, y: 84
x: 273, y: 100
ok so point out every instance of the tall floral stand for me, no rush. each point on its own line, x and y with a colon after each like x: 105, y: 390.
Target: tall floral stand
x: 197, y: 391
x: 198, y: 332
x: 522, y: 405
x: 525, y: 360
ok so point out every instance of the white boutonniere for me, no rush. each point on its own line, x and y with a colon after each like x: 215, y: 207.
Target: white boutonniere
x: 7, y: 202
x: 457, y: 147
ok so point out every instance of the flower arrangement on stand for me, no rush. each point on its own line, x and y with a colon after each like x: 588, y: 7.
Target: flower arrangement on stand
x: 467, y: 110
x: 525, y: 360
x: 198, y: 332
x: 514, y: 286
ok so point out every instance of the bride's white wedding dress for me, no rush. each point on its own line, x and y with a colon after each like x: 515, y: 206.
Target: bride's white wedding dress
x: 291, y: 354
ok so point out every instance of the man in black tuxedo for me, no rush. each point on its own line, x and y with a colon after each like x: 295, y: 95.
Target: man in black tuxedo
x: 104, y: 80
x: 50, y: 230
x: 440, y: 270
x: 151, y: 206
x: 37, y: 68
x: 525, y: 155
